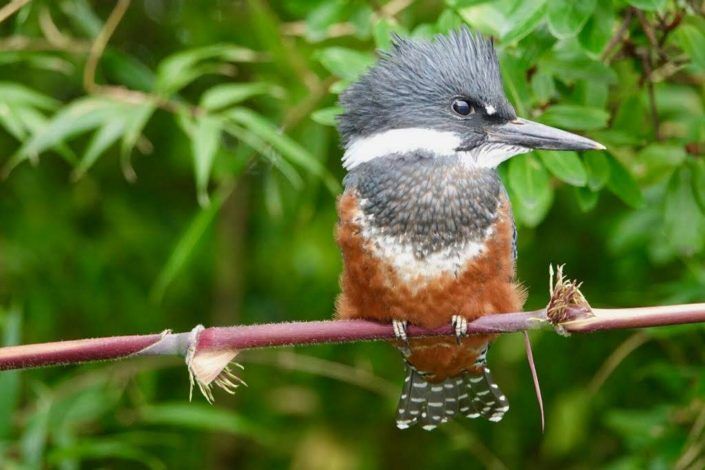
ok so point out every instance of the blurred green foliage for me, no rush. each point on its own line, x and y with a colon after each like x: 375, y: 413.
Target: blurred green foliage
x: 186, y: 173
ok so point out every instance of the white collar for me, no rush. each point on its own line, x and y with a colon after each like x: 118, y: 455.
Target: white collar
x: 438, y: 143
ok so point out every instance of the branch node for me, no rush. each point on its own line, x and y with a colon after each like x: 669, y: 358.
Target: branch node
x: 567, y: 303
x: 207, y: 367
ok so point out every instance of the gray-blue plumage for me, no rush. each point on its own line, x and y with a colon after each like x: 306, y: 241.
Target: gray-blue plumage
x: 413, y: 85
x: 431, y: 203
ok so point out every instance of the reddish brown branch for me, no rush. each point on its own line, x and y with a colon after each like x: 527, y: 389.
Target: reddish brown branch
x: 342, y: 331
x: 73, y: 352
x: 316, y: 332
x: 240, y: 337
x: 642, y: 317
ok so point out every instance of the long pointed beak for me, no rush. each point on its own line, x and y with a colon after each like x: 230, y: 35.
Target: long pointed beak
x: 533, y: 135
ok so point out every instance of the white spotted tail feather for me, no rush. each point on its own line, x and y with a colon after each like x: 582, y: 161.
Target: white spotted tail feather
x: 431, y: 404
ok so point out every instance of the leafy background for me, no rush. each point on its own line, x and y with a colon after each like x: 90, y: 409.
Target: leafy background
x: 174, y: 163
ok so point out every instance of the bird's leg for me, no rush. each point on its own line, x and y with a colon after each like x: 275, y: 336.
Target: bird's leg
x: 460, y: 327
x: 400, y: 333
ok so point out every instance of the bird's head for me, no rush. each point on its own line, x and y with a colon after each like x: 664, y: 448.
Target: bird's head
x: 442, y: 97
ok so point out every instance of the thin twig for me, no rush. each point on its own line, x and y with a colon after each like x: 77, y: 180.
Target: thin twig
x: 11, y: 8
x: 618, y: 35
x: 534, y: 377
x: 694, y: 444
x: 616, y: 358
x: 669, y: 27
x: 646, y: 27
x: 101, y: 41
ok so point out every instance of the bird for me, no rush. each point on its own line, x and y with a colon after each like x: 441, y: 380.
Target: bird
x: 425, y: 225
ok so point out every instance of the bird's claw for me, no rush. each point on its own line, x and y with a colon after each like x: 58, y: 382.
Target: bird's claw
x: 400, y: 333
x: 400, y: 329
x: 460, y: 327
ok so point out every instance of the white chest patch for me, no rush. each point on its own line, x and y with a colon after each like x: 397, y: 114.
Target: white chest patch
x: 412, y: 270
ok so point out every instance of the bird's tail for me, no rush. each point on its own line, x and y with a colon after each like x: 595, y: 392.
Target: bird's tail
x: 430, y: 404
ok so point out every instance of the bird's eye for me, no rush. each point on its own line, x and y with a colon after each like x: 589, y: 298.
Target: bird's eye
x: 462, y: 107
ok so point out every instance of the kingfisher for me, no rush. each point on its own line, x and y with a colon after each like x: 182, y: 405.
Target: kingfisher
x: 425, y: 225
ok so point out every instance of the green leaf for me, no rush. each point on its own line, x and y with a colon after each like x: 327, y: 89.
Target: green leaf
x: 623, y: 185
x: 32, y: 121
x: 382, y: 32
x: 87, y: 449
x: 82, y: 17
x: 448, y: 21
x: 226, y: 95
x: 517, y: 88
x: 572, y: 116
x: 649, y: 5
x: 126, y: 121
x: 640, y: 428
x: 543, y: 86
x: 327, y: 116
x: 692, y: 40
x: 587, y: 199
x: 361, y: 18
x: 489, y: 18
x: 566, y: 166
x: 186, y: 245
x: 10, y: 121
x: 195, y: 416
x: 322, y: 17
x: 35, y: 433
x: 464, y: 3
x: 531, y: 186
x: 592, y: 93
x: 78, y: 117
x: 266, y: 151
x: 658, y: 160
x: 674, y: 99
x: 127, y: 70
x: 40, y: 60
x: 570, y: 66
x: 288, y: 147
x: 139, y: 115
x: 598, y: 30
x: 204, y: 146
x: 347, y: 64
x: 597, y: 165
x: 12, y: 93
x: 107, y: 135
x: 523, y: 19
x: 180, y: 69
x: 566, y: 18
x: 699, y: 182
x: 683, y: 218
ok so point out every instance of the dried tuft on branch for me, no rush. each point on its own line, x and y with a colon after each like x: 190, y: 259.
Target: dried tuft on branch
x: 567, y: 303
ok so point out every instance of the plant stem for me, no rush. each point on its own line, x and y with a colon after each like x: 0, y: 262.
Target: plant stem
x: 332, y: 331
x: 641, y: 317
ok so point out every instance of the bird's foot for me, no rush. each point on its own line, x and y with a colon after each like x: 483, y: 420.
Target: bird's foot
x: 400, y: 329
x: 460, y: 327
x: 400, y: 333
